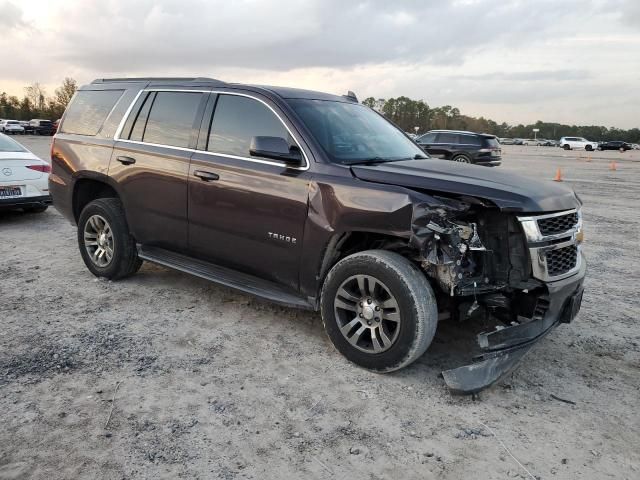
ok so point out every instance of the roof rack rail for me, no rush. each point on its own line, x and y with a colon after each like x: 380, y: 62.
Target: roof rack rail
x: 157, y: 79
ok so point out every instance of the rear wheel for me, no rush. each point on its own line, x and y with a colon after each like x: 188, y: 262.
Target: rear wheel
x: 379, y: 310
x: 566, y: 146
x: 107, y: 248
x: 461, y: 159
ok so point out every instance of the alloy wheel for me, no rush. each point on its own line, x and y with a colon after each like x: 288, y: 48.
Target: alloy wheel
x: 367, y: 313
x: 98, y: 240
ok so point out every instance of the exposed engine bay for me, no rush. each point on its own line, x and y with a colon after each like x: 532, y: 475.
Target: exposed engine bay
x: 474, y: 252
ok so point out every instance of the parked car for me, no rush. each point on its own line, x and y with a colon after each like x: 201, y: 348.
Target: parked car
x: 506, y: 141
x: 462, y: 146
x: 571, y: 143
x: 532, y: 141
x: 518, y: 141
x: 11, y: 127
x: 549, y: 143
x: 635, y: 146
x: 41, y: 127
x: 23, y: 178
x: 316, y: 201
x: 615, y: 145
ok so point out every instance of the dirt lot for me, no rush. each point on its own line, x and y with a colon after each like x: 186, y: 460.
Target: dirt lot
x: 210, y: 383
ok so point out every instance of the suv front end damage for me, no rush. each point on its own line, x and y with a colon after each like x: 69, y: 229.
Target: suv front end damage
x: 522, y: 274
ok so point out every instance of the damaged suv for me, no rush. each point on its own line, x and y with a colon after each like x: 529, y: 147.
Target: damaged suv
x: 315, y: 201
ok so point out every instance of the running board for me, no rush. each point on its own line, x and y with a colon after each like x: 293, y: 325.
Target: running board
x: 224, y: 276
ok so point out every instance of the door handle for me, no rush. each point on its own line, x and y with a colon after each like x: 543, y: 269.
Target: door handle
x: 126, y: 160
x: 206, y: 176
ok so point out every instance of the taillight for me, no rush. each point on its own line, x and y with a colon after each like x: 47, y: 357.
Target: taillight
x: 40, y: 168
x: 53, y: 143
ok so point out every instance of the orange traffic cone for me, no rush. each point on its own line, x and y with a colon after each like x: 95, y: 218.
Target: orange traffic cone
x: 613, y: 166
x: 589, y: 158
x: 558, y: 177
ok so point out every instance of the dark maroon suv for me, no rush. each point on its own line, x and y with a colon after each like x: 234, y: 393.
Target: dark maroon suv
x: 315, y: 201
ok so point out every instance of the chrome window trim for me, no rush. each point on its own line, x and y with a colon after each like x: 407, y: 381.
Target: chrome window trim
x: 206, y: 152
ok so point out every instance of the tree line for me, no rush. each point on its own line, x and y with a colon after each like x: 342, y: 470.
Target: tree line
x: 404, y: 111
x: 408, y: 114
x: 36, y: 103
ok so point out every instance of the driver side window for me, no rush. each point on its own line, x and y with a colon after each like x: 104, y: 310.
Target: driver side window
x: 237, y: 119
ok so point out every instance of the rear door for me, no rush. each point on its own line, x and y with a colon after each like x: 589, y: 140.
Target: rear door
x: 447, y: 144
x: 150, y: 163
x: 247, y: 212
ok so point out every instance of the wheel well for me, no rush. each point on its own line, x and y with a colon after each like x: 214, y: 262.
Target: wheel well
x: 349, y: 243
x: 87, y: 190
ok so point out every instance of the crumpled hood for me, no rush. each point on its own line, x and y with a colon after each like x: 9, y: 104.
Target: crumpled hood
x: 508, y: 191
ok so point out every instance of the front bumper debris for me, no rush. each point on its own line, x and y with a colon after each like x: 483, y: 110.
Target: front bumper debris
x: 505, y: 348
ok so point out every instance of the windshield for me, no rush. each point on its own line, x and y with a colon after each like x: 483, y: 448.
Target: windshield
x: 352, y: 133
x: 9, y: 145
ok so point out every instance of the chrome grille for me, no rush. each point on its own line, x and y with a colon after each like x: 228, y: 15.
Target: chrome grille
x: 559, y: 224
x: 553, y: 248
x: 561, y: 260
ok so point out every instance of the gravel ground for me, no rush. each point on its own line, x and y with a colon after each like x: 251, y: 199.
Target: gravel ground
x: 211, y: 383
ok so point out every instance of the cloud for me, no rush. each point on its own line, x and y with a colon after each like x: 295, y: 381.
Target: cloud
x: 10, y: 17
x: 510, y: 59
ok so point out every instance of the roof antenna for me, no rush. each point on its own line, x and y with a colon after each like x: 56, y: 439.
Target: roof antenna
x: 351, y: 96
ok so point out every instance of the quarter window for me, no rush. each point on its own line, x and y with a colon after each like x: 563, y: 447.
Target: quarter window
x: 470, y: 140
x: 170, y: 118
x: 237, y: 119
x: 88, y: 111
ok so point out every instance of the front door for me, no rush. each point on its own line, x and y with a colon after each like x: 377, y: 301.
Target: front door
x: 247, y: 212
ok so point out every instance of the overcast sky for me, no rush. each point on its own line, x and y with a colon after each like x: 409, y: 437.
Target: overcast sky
x: 572, y: 61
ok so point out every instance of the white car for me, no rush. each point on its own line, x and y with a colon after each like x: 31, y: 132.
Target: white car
x: 11, y: 126
x: 570, y: 143
x: 24, y: 178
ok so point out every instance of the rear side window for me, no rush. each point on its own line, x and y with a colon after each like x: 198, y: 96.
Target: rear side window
x: 447, y: 138
x: 88, y: 111
x: 470, y: 140
x: 237, y: 119
x: 170, y: 119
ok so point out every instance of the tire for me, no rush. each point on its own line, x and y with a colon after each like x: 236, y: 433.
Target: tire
x: 416, y: 313
x: 461, y: 159
x: 588, y: 148
x: 124, y: 260
x: 566, y: 146
x: 36, y: 209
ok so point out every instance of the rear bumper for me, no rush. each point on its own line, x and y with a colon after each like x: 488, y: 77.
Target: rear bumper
x: 489, y: 161
x: 505, y: 348
x: 25, y: 201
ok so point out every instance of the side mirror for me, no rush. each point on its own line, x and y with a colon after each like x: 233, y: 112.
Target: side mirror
x: 276, y: 148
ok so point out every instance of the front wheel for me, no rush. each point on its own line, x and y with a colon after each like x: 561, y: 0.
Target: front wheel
x: 107, y: 248
x: 588, y: 148
x: 379, y: 310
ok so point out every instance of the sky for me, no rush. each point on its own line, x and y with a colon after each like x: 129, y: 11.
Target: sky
x: 519, y: 61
